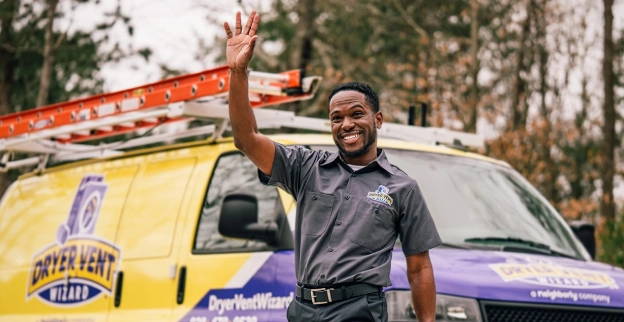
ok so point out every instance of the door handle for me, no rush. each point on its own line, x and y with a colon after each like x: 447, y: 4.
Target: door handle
x: 118, y: 288
x: 181, y: 285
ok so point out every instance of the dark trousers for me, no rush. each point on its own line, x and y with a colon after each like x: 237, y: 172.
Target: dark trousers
x: 368, y: 307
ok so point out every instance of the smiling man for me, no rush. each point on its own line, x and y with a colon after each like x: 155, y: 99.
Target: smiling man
x: 351, y: 205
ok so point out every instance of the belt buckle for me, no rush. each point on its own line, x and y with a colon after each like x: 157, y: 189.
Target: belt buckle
x: 313, y: 295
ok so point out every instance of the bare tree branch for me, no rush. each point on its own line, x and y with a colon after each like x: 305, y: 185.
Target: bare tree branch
x: 409, y: 19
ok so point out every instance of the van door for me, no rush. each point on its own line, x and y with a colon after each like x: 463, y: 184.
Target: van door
x: 146, y: 283
x: 57, y: 252
x: 231, y: 279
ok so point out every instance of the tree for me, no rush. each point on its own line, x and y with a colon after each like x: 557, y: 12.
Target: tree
x: 474, y: 69
x: 612, y: 226
x: 607, y: 208
x: 49, y: 49
x: 537, y: 92
x: 66, y: 68
x: 8, y: 11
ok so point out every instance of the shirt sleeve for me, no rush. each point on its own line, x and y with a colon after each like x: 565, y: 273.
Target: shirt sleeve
x: 417, y: 230
x: 290, y: 166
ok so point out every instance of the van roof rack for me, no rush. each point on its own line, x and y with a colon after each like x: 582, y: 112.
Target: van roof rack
x: 59, y: 132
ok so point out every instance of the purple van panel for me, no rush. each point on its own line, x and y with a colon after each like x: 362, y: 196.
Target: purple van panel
x: 517, y: 277
x: 478, y: 274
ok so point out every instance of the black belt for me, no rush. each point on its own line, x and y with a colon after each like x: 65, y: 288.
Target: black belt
x: 334, y: 294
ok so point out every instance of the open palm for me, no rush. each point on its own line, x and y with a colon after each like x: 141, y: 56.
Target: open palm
x: 241, y: 44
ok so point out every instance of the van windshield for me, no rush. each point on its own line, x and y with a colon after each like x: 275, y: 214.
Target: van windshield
x: 478, y: 202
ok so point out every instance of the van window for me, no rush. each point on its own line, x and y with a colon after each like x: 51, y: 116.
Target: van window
x: 234, y: 173
x: 476, y: 200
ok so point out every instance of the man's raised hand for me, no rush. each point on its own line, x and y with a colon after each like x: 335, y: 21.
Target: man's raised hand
x: 240, y: 45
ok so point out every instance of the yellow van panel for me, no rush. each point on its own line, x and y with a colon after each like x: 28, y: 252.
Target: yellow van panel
x: 39, y: 205
x: 46, y: 266
x: 149, y: 234
x: 149, y: 219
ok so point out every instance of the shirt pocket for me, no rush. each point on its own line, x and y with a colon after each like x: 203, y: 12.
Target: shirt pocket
x: 316, y: 213
x: 372, y: 227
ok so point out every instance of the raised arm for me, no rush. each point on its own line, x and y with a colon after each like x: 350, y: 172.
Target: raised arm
x: 240, y: 45
x: 422, y: 285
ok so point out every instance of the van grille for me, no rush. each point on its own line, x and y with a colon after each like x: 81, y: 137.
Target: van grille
x: 516, y: 312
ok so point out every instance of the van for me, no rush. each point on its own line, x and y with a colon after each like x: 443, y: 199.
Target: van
x: 186, y: 232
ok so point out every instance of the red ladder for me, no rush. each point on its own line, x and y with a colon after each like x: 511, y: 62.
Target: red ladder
x: 265, y: 89
x: 54, y: 130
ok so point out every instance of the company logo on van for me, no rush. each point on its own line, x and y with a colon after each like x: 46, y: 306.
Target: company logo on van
x: 78, y: 267
x: 550, y: 274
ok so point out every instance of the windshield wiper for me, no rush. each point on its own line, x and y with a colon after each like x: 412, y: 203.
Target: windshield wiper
x: 539, y: 248
x: 508, y: 239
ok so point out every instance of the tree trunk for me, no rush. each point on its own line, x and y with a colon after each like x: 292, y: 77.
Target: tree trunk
x: 518, y: 119
x: 8, y: 10
x: 551, y: 171
x: 474, y: 70
x: 48, y: 55
x: 302, y: 55
x: 607, y: 208
x: 304, y: 35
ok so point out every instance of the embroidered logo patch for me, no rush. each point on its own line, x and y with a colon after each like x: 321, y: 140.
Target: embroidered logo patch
x: 381, y: 195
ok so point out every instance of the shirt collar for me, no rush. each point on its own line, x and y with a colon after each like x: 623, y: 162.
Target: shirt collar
x: 381, y: 160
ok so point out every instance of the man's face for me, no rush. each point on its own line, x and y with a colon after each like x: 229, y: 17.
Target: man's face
x: 354, y: 127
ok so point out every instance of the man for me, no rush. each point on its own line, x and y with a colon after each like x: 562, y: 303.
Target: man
x: 350, y: 205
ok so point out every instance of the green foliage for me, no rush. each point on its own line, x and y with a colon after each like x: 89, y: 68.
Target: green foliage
x: 77, y: 55
x: 76, y: 67
x: 611, y: 241
x: 389, y: 44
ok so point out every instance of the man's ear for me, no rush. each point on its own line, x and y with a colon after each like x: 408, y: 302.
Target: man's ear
x: 378, y: 119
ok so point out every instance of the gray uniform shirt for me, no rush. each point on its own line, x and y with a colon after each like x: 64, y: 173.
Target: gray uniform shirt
x: 347, y: 222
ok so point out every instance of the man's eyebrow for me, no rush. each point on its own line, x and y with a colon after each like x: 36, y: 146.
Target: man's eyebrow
x: 355, y: 105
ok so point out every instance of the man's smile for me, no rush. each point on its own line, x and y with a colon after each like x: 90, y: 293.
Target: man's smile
x: 350, y: 138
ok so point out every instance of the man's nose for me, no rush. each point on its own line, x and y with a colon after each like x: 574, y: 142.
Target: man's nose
x: 347, y: 124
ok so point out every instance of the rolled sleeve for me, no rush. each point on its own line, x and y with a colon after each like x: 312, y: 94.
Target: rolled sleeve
x: 417, y: 229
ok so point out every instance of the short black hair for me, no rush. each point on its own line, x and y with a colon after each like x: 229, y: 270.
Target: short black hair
x: 369, y: 94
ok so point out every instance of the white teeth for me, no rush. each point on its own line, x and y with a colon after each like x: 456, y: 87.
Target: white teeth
x: 351, y: 137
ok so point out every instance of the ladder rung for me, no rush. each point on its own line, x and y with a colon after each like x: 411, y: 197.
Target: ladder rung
x: 63, y: 137
x: 127, y: 124
x: 265, y: 89
x: 20, y: 163
x: 261, y: 76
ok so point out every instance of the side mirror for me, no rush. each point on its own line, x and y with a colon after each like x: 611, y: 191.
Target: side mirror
x: 585, y: 233
x: 239, y: 219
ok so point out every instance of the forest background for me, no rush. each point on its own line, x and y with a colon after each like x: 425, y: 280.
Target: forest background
x: 542, y: 80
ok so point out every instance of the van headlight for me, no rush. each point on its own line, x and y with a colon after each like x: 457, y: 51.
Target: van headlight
x: 448, y: 308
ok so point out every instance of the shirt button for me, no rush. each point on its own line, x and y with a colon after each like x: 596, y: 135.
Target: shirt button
x: 354, y: 175
x: 315, y: 197
x: 331, y: 249
x: 338, y: 223
x: 322, y: 276
x: 347, y: 197
x: 376, y: 211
